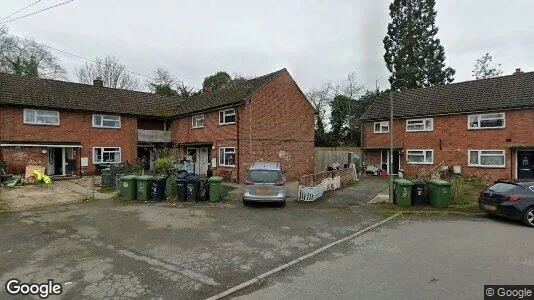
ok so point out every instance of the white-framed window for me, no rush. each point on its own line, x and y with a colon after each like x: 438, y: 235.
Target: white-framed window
x: 106, y: 155
x: 422, y: 157
x: 106, y: 121
x: 227, y: 116
x: 197, y: 121
x: 41, y: 117
x: 486, y: 158
x: 227, y: 156
x: 485, y: 121
x: 426, y: 124
x: 381, y: 127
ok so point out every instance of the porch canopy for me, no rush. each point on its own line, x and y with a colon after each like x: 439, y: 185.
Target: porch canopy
x: 522, y: 146
x: 381, y: 148
x: 194, y: 144
x: 41, y: 144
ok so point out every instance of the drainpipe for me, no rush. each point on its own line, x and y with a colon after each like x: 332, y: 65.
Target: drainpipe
x: 238, y: 152
x: 391, y: 147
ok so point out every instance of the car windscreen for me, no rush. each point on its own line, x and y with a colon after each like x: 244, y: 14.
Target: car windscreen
x: 269, y: 176
x: 502, y: 187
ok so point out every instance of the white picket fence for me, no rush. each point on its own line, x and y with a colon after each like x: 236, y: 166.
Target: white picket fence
x: 314, y: 192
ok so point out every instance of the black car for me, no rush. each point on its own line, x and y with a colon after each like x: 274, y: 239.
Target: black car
x: 509, y: 199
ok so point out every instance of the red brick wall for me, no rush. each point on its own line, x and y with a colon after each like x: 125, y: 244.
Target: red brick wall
x: 74, y: 127
x: 269, y: 129
x: 456, y: 140
x: 218, y: 135
x: 278, y: 125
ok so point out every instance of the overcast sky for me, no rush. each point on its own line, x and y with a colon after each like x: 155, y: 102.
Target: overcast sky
x: 316, y: 40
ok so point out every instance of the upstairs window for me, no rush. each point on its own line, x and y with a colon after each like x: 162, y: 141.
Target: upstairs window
x: 426, y: 124
x: 422, y: 157
x: 41, y: 117
x: 227, y: 116
x: 198, y: 121
x: 485, y: 121
x: 381, y: 127
x: 106, y: 121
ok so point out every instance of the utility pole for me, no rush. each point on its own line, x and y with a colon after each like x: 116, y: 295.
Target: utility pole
x: 391, y: 146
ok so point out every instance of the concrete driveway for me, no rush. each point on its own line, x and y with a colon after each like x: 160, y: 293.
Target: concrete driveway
x: 415, y: 258
x: 184, y: 251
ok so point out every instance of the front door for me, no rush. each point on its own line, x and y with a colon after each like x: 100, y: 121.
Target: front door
x: 202, y: 161
x: 385, y: 162
x: 525, y: 164
x: 50, y: 168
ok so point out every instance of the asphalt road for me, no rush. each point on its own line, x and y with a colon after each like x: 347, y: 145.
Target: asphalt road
x: 415, y: 258
x: 163, y: 251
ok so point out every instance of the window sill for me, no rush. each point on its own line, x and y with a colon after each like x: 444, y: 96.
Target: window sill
x: 486, y: 167
x: 416, y: 163
x: 103, y: 127
x: 223, y: 124
x: 382, y: 132
x: 197, y: 127
x: 41, y: 124
x: 485, y: 128
x: 227, y: 166
x: 419, y: 130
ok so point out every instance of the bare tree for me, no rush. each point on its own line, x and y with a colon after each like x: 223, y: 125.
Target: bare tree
x: 483, y: 68
x: 320, y: 98
x: 349, y: 87
x: 26, y: 57
x: 110, y: 70
x: 166, y: 84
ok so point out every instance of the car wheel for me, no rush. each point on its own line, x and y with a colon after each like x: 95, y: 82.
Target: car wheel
x: 528, y: 218
x: 245, y: 202
x: 283, y: 203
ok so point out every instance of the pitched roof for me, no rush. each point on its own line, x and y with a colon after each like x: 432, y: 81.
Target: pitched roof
x: 499, y: 93
x: 47, y: 93
x: 55, y: 94
x: 226, y: 96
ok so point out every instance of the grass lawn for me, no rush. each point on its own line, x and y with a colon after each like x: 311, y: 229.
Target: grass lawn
x: 464, y: 200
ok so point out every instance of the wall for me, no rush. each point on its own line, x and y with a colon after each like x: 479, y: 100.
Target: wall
x: 73, y: 127
x: 451, y: 140
x: 268, y: 130
x: 150, y: 124
x: 212, y: 132
x: 325, y: 158
x: 278, y: 125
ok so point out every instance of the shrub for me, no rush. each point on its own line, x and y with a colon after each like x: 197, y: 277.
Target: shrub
x: 163, y: 165
x: 465, y: 190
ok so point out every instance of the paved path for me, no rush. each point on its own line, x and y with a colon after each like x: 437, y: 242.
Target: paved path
x: 83, y: 190
x: 413, y: 259
x: 102, y: 248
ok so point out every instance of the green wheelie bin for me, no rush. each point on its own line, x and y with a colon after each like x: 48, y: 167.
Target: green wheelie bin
x: 439, y: 193
x: 403, y: 192
x: 129, y: 187
x: 215, y: 188
x: 143, y: 187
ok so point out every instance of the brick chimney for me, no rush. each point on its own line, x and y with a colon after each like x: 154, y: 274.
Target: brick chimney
x: 206, y: 89
x: 98, y: 82
x: 518, y: 71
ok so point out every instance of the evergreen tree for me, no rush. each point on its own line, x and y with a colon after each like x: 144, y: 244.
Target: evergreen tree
x: 414, y: 55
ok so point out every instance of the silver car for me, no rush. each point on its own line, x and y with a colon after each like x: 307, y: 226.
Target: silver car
x: 265, y: 182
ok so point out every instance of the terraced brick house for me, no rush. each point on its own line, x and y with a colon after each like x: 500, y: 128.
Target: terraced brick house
x: 481, y: 127
x: 69, y: 127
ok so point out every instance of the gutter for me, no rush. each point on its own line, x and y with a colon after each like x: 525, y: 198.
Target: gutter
x: 449, y: 114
